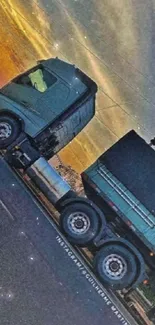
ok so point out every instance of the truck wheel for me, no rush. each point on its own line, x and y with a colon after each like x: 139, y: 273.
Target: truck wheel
x: 9, y: 130
x: 116, y: 266
x: 80, y: 223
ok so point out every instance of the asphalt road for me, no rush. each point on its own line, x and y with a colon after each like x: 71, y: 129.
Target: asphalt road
x: 44, y: 280
x: 112, y: 41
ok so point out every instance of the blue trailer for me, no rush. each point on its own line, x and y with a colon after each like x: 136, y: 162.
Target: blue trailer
x: 121, y: 182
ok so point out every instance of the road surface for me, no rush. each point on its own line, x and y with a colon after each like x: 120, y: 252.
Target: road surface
x: 43, y: 279
x: 112, y: 41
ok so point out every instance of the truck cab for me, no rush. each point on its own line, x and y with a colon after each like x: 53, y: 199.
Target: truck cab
x: 51, y: 103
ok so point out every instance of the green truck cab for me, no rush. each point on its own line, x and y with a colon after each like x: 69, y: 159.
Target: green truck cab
x: 51, y: 103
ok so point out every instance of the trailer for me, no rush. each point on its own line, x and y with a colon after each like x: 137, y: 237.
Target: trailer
x: 121, y: 183
x: 44, y: 280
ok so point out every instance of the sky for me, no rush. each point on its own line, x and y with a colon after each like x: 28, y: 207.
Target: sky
x: 110, y: 42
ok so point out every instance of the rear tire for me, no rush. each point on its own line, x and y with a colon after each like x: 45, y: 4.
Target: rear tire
x: 9, y: 130
x: 80, y: 223
x: 116, y: 266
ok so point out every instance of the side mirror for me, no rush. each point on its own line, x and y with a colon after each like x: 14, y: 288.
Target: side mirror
x: 40, y: 61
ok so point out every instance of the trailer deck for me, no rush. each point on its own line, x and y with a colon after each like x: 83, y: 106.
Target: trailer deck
x: 43, y: 279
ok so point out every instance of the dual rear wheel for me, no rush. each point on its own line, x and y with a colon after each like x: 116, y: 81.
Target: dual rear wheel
x: 115, y: 265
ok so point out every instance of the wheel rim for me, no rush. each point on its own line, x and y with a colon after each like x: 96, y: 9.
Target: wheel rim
x: 114, y: 267
x: 78, y: 223
x: 5, y: 130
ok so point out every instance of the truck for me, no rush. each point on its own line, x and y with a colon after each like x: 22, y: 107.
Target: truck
x: 51, y: 103
x: 114, y: 220
x: 43, y: 279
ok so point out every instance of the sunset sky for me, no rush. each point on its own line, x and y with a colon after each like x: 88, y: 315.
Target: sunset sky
x: 107, y: 43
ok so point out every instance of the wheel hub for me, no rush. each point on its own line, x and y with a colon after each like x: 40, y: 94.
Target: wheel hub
x: 78, y: 223
x: 114, y: 266
x: 5, y: 130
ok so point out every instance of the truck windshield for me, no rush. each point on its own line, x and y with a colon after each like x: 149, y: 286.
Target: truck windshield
x: 40, y: 79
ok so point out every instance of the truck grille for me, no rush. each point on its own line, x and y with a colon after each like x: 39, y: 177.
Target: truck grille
x: 64, y: 130
x: 67, y: 129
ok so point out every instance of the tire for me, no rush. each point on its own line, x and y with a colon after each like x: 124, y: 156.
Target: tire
x: 80, y: 223
x: 114, y: 258
x: 9, y: 130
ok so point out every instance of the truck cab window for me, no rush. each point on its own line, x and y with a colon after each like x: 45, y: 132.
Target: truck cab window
x: 40, y: 79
